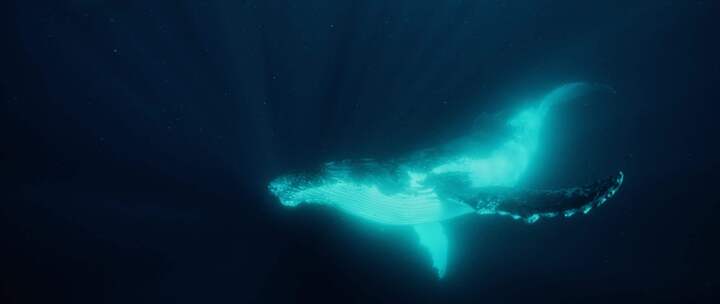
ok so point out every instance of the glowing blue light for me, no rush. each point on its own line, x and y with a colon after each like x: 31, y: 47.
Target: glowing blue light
x: 433, y: 238
x: 433, y: 185
x: 533, y: 218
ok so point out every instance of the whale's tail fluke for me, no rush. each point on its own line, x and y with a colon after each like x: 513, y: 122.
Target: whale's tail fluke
x: 527, y: 124
x: 511, y: 158
x: 569, y: 92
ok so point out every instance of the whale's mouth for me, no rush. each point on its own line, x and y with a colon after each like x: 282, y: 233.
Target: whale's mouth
x: 532, y: 205
x: 285, y: 189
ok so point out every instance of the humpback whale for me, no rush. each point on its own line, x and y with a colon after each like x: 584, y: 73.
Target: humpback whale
x: 427, y: 188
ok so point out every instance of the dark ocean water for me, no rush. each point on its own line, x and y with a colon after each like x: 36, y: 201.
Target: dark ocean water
x: 139, y: 137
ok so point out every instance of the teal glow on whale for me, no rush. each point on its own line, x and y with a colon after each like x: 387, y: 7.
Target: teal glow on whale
x: 463, y: 177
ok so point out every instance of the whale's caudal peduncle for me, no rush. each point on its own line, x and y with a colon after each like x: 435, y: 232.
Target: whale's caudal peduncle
x: 430, y: 186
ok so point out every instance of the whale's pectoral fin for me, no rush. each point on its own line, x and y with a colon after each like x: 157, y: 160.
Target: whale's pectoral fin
x: 531, y: 205
x: 434, y: 239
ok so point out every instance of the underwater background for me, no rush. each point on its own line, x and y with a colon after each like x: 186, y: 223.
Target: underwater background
x: 139, y: 138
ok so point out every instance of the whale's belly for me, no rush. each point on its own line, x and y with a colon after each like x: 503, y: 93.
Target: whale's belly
x: 368, y: 202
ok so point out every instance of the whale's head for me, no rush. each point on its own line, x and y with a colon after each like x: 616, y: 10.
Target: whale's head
x: 287, y: 188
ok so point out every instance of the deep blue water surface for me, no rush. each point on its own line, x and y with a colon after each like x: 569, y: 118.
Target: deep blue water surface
x: 138, y: 138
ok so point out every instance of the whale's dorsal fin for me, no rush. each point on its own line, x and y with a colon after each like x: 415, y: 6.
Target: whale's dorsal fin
x: 433, y: 238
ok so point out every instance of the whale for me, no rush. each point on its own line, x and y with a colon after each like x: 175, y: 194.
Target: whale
x: 468, y: 175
